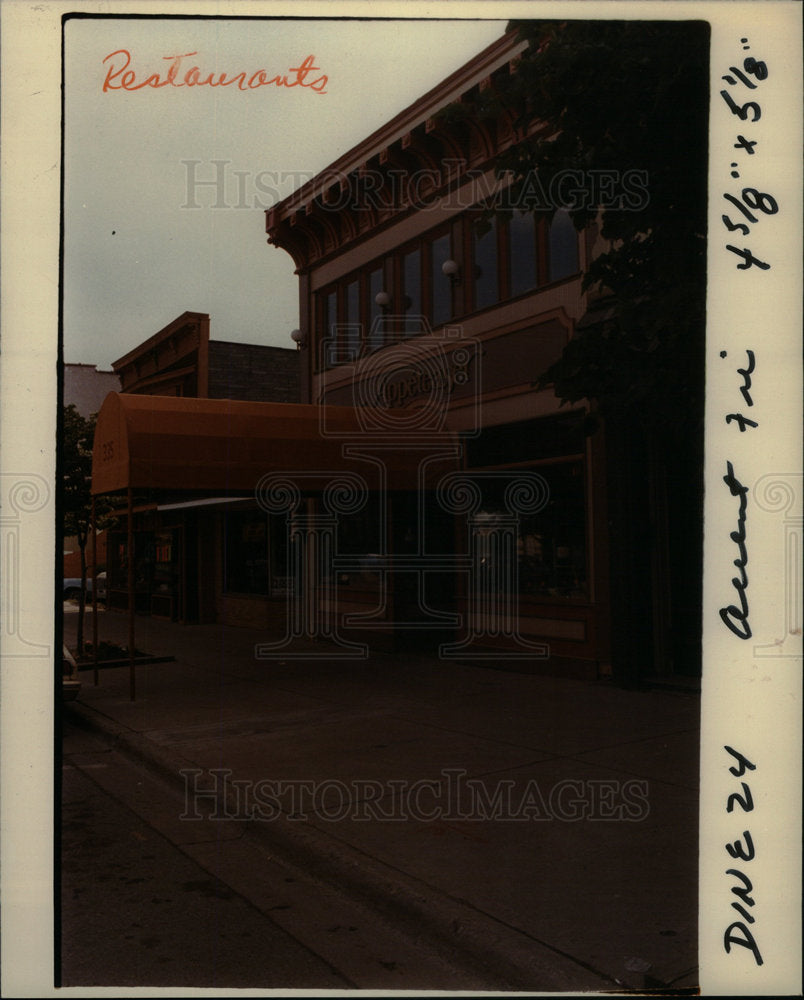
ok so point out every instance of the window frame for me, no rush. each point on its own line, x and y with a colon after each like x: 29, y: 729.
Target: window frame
x: 462, y: 293
x: 549, y: 249
x: 470, y: 220
x: 571, y: 461
x: 273, y: 524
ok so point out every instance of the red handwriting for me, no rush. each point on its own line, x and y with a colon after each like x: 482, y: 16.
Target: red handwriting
x: 119, y: 76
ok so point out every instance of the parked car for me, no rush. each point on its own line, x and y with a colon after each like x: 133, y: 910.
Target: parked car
x: 70, y: 684
x: 72, y: 587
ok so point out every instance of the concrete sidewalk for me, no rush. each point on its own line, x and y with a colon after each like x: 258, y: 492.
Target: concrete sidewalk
x: 541, y: 830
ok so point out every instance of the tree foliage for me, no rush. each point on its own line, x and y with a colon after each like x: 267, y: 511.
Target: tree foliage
x: 617, y: 97
x: 78, y: 435
x: 77, y: 438
x: 602, y: 99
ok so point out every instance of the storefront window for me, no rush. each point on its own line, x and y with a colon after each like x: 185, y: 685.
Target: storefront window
x: 331, y: 328
x: 550, y: 544
x: 281, y: 580
x: 360, y: 535
x: 506, y: 260
x: 246, y: 553
x: 117, y: 572
x: 375, y: 313
x: 165, y: 582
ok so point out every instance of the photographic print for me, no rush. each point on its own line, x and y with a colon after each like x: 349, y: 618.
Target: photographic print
x: 420, y: 500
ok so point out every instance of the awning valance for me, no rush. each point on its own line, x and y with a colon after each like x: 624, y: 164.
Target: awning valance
x: 180, y: 443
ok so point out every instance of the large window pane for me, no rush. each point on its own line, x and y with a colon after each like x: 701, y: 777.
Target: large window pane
x: 563, y: 246
x: 522, y: 249
x: 441, y: 284
x: 375, y: 331
x: 246, y: 553
x: 412, y: 291
x: 351, y: 335
x: 551, y: 544
x: 486, y: 290
x: 330, y: 328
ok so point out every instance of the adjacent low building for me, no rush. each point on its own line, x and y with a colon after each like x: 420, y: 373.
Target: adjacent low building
x: 182, y: 360
x: 151, y: 439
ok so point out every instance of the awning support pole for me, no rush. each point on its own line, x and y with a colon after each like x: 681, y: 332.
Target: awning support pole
x: 132, y: 686
x: 94, y: 529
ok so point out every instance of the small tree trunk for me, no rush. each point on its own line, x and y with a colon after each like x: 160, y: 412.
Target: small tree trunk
x: 82, y: 597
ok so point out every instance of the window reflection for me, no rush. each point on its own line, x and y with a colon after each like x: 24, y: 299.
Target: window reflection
x: 550, y: 544
x: 522, y: 250
x: 412, y: 291
x: 511, y: 261
x: 331, y: 320
x: 441, y: 285
x: 351, y: 335
x: 563, y: 246
x: 485, y: 263
x: 375, y: 286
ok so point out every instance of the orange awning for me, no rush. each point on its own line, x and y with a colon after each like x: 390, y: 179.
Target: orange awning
x: 180, y: 443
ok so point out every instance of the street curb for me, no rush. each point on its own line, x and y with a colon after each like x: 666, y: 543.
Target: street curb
x: 476, y: 942
x: 139, y: 661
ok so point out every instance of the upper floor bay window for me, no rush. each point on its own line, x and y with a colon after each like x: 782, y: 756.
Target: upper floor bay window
x: 563, y: 246
x: 484, y: 276
x: 330, y: 330
x: 352, y: 332
x: 412, y: 291
x: 494, y: 261
x: 523, y: 234
x: 440, y: 284
x: 550, y: 546
x: 374, y: 311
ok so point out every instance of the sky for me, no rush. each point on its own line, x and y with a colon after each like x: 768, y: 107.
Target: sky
x: 144, y: 238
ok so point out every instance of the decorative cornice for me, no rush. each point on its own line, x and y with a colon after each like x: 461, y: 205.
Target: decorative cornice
x: 418, y: 154
x: 188, y: 322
